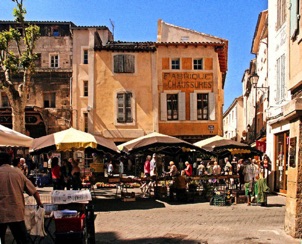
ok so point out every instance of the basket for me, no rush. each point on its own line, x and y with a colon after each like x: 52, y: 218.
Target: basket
x: 75, y: 224
x: 219, y: 200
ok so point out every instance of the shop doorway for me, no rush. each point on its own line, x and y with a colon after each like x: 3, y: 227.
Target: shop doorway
x: 281, y: 162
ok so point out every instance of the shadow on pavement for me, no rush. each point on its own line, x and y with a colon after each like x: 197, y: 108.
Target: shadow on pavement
x: 118, y: 205
x: 111, y: 237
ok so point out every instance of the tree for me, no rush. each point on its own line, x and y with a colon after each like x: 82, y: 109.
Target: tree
x: 17, y: 58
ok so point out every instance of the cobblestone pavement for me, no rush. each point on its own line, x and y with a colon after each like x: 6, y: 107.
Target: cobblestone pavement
x: 147, y: 220
x: 155, y: 221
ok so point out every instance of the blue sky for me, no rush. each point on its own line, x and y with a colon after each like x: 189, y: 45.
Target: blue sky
x: 136, y: 20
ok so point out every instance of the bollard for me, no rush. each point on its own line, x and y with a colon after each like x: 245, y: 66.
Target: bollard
x: 90, y: 223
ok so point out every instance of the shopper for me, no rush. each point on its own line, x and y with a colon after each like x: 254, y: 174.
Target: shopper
x: 56, y: 174
x: 13, y: 183
x: 188, y: 169
x: 76, y: 176
x: 66, y: 174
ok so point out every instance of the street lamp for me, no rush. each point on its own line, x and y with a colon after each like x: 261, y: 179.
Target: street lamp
x: 254, y: 80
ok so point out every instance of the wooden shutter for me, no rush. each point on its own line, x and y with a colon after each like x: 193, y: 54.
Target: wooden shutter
x: 163, y: 106
x: 208, y: 63
x: 165, y: 63
x: 182, y: 106
x: 212, y: 105
x: 118, y: 63
x: 129, y: 63
x: 193, y: 106
x: 186, y: 63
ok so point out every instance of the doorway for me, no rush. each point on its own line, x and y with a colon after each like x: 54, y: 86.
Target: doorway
x: 281, y: 162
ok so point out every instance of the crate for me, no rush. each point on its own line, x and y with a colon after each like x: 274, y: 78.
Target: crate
x: 241, y: 199
x: 128, y: 199
x: 219, y: 200
x: 71, y: 237
x: 73, y: 224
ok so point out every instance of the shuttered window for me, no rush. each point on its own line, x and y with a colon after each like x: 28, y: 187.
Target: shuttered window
x: 281, y: 13
x: 175, y: 63
x: 294, y: 17
x: 173, y: 106
x: 124, y: 63
x: 280, y: 93
x: 124, y: 110
x: 202, y: 106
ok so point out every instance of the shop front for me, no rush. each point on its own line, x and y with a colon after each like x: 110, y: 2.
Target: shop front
x: 281, y: 161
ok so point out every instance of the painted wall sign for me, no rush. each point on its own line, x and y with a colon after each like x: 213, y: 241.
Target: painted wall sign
x: 179, y: 80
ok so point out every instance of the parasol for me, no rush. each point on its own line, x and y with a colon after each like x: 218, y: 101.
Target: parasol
x: 156, y: 142
x: 71, y: 139
x: 11, y: 138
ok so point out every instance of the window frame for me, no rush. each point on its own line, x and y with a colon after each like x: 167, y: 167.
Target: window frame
x: 175, y: 63
x: 173, y: 102
x: 54, y: 60
x: 85, y: 56
x: 86, y: 121
x: 124, y: 110
x: 85, y: 88
x: 196, y: 66
x: 51, y: 99
x: 202, y: 110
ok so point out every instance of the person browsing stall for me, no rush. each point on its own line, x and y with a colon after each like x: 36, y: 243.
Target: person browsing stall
x: 173, y: 169
x: 188, y: 169
x: 12, y: 207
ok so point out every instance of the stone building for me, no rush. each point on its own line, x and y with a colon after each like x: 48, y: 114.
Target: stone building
x: 292, y: 114
x: 48, y: 109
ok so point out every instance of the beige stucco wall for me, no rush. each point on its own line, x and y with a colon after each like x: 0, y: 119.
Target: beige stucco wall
x: 189, y: 127
x: 107, y: 84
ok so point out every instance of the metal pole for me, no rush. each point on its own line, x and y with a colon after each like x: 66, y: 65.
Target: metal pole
x: 255, y: 132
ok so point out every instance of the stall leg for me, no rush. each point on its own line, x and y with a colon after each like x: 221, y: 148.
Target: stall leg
x: 90, y: 223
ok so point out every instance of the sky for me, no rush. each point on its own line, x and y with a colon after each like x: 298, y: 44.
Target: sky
x: 136, y: 20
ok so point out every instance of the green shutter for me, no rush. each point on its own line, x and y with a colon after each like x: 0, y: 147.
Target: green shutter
x: 293, y: 18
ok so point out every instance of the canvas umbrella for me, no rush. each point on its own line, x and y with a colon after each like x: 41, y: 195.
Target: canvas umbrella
x: 72, y: 139
x: 218, y: 144
x: 156, y: 142
x: 11, y: 138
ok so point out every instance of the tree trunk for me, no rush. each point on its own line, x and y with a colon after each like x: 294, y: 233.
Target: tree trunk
x: 18, y: 115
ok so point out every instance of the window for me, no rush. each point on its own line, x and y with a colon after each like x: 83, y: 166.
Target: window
x: 85, y: 88
x: 124, y: 63
x: 202, y: 106
x: 198, y: 64
x: 124, y: 107
x: 54, y: 61
x: 50, y: 100
x: 55, y: 31
x: 280, y: 93
x: 172, y: 106
x: 86, y: 122
x: 85, y: 56
x: 281, y: 13
x: 4, y: 100
x: 38, y: 60
x: 175, y: 63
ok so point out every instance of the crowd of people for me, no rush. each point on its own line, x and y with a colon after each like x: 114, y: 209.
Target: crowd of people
x: 248, y: 172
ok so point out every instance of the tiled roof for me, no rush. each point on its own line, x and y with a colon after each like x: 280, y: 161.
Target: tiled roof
x: 101, y: 27
x: 128, y: 46
x: 39, y: 22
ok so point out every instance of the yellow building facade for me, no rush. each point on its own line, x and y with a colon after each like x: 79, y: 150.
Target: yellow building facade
x: 173, y: 86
